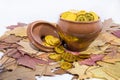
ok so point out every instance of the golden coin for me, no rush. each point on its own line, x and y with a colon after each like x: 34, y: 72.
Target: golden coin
x: 54, y: 56
x: 65, y: 14
x: 89, y: 17
x: 81, y: 12
x: 69, y: 57
x: 51, y: 40
x: 59, y: 49
x: 95, y: 16
x: 65, y: 65
x: 81, y: 18
x: 71, y: 17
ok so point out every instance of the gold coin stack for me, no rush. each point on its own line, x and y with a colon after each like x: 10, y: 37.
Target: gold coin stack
x: 80, y: 16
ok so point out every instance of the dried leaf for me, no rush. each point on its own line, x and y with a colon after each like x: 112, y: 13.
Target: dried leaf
x: 109, y: 26
x: 79, y: 70
x: 60, y: 71
x: 24, y: 73
x: 4, y: 46
x: 8, y: 63
x: 14, y: 53
x: 27, y: 48
x: 92, y: 60
x: 99, y: 73
x: 30, y: 62
x: 51, y: 67
x: 18, y: 31
x: 116, y: 33
x: 111, y: 69
x: 43, y: 56
x: 19, y: 24
x: 113, y: 55
x: 21, y: 73
x: 11, y: 39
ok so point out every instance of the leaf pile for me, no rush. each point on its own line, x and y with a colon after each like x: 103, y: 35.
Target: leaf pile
x: 23, y: 61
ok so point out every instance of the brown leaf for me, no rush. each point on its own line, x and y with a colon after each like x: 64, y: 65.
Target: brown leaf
x: 24, y: 73
x: 4, y: 45
x: 27, y: 48
x: 116, y: 33
x: 8, y: 63
x: 30, y: 62
x: 11, y: 39
x: 79, y: 70
x: 49, y: 68
x: 60, y: 71
x: 18, y: 31
x: 112, y: 55
x: 43, y: 56
x: 99, y: 73
x: 19, y: 24
x: 109, y: 26
x: 92, y: 60
x: 111, y: 69
x: 14, y: 53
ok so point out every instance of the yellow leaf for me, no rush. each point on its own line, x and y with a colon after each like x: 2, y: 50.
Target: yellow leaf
x: 79, y: 70
x: 18, y: 31
x: 27, y: 47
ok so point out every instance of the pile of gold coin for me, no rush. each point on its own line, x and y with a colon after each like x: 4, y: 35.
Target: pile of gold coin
x: 50, y: 40
x: 60, y: 54
x: 82, y: 16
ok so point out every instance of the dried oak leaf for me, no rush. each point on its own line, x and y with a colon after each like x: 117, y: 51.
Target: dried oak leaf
x: 92, y: 60
x: 18, y: 31
x: 11, y: 39
x: 79, y: 70
x: 30, y: 62
x: 111, y: 69
x: 24, y: 73
x: 99, y: 73
x: 112, y: 55
x: 26, y: 47
x: 109, y: 25
x: 43, y: 56
x: 14, y: 53
x: 19, y: 24
x: 4, y: 46
x: 8, y: 63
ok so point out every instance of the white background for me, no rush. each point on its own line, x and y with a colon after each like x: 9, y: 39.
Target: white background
x: 13, y: 11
